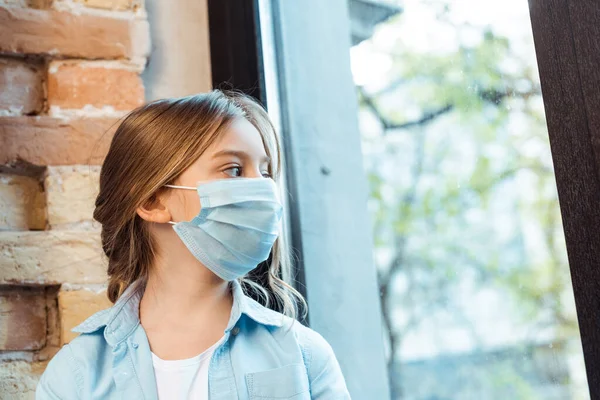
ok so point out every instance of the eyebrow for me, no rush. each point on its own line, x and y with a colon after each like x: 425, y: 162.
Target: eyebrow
x: 239, y: 154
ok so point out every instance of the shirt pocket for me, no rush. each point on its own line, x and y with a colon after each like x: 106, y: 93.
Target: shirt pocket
x: 289, y: 382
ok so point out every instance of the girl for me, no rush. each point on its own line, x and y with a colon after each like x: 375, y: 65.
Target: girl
x: 189, y: 207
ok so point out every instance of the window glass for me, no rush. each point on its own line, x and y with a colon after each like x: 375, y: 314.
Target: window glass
x: 469, y: 247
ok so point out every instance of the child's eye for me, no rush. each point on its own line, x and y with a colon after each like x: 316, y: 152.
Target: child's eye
x: 266, y: 174
x: 234, y: 172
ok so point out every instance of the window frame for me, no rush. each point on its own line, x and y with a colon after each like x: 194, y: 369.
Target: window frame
x: 566, y: 35
x: 327, y: 188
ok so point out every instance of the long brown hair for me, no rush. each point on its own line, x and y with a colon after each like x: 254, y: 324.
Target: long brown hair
x: 153, y: 145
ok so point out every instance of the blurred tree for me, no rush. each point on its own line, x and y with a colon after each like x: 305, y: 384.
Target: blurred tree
x: 461, y: 214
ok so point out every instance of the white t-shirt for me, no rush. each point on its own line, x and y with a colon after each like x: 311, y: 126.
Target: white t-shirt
x: 183, y: 379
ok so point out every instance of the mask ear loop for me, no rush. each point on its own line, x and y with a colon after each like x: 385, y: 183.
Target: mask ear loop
x: 181, y: 187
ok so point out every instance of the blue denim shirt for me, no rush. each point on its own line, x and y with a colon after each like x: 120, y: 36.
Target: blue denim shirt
x: 264, y: 355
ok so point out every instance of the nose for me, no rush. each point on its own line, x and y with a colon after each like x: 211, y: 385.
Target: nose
x: 253, y: 171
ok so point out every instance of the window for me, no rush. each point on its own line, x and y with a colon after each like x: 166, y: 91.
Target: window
x: 422, y: 194
x: 469, y: 245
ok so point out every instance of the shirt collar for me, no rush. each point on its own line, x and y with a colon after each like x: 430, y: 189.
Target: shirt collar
x: 243, y: 304
x: 123, y: 317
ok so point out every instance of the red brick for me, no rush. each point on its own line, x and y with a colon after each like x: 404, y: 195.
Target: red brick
x: 39, y: 3
x: 22, y: 318
x: 75, y: 85
x: 21, y: 88
x: 31, y: 31
x: 55, y: 141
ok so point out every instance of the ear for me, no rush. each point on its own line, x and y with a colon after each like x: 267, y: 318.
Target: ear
x: 154, y: 210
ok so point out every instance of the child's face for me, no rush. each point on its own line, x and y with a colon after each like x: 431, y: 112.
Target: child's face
x: 238, y: 152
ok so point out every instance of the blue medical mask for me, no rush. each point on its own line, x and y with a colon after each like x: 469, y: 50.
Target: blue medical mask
x: 239, y: 221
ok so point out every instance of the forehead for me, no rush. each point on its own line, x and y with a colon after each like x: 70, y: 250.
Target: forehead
x: 239, y: 135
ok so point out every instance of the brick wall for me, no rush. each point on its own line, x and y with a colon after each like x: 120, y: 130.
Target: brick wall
x: 69, y: 69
